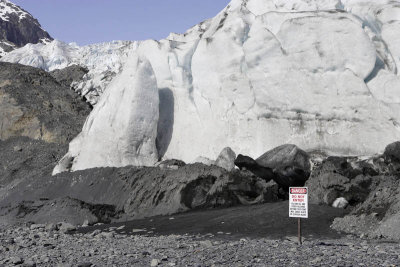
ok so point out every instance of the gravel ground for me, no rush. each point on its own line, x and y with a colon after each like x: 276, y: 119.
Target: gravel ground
x: 40, y: 245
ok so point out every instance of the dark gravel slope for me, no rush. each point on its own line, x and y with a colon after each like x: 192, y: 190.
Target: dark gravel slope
x: 34, y: 104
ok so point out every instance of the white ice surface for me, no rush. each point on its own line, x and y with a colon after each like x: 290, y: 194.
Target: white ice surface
x: 122, y: 128
x: 321, y: 74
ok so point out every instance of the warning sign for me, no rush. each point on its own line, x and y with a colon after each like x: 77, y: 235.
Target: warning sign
x: 298, y: 202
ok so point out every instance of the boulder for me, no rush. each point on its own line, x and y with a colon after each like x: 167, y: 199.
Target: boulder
x: 290, y: 164
x: 286, y: 155
x: 340, y: 203
x: 349, y: 167
x: 226, y: 159
x: 326, y: 188
x: 337, y: 178
x: 392, y: 152
x: 391, y: 156
x: 247, y: 163
x: 287, y: 165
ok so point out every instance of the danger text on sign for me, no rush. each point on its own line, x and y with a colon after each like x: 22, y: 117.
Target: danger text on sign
x: 298, y: 202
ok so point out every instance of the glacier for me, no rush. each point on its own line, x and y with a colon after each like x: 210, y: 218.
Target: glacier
x: 103, y: 61
x: 124, y: 108
x: 321, y: 74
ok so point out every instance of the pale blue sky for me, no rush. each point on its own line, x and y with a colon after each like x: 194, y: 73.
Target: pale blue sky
x: 94, y: 21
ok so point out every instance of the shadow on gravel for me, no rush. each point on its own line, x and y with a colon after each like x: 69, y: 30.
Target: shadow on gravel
x: 268, y: 220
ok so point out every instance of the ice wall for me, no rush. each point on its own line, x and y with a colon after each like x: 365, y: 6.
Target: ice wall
x: 122, y: 128
x: 319, y: 74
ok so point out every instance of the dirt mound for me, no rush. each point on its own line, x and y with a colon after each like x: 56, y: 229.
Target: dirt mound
x: 141, y: 192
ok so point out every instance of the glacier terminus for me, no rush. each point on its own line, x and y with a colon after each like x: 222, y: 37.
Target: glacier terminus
x: 321, y: 74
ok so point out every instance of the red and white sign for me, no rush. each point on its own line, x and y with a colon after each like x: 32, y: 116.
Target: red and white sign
x: 298, y: 202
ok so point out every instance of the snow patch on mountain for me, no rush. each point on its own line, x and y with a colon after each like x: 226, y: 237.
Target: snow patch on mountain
x: 321, y: 74
x: 7, y: 8
x: 18, y: 28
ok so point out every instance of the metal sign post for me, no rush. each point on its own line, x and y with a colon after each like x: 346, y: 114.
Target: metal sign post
x: 298, y: 206
x: 299, y: 229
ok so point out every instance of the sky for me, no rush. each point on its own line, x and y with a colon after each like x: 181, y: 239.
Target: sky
x: 95, y: 21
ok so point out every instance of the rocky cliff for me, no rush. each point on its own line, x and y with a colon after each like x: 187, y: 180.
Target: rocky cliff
x: 34, y: 104
x: 38, y: 118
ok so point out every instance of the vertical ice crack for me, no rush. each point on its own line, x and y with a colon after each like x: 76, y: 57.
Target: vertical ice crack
x: 244, y: 67
x: 187, y: 73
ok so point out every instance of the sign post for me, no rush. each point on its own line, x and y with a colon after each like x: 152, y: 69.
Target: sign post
x: 298, y: 205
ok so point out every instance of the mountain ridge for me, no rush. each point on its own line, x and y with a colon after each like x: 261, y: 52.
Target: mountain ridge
x: 18, y: 28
